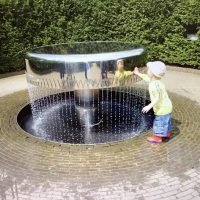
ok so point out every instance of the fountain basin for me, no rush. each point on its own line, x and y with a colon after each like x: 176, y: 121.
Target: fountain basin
x: 76, y: 96
x: 117, y: 116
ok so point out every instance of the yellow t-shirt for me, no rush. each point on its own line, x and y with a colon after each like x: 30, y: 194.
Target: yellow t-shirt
x: 121, y: 77
x: 157, y: 90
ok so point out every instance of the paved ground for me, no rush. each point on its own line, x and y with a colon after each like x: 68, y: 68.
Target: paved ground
x: 33, y: 169
x: 12, y: 84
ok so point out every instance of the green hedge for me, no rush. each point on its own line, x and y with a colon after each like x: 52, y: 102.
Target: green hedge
x: 162, y: 26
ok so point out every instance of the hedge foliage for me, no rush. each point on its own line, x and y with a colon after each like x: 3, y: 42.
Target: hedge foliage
x: 160, y: 25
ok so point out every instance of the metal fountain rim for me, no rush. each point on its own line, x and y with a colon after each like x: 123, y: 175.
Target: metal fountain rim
x: 134, y: 50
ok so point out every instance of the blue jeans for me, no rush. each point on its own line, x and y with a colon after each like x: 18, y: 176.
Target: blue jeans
x: 162, y: 125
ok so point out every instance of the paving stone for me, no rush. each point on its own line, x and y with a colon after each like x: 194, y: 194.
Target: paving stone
x: 196, y: 198
x: 185, y: 193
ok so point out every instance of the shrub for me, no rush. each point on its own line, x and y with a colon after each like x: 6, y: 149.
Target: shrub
x: 162, y: 26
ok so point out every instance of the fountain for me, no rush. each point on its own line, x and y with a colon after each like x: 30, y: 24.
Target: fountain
x: 74, y: 98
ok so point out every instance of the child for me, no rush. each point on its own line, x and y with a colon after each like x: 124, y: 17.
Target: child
x: 121, y: 75
x: 160, y: 101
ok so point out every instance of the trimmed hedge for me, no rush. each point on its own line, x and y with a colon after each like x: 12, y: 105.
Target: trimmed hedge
x: 162, y: 26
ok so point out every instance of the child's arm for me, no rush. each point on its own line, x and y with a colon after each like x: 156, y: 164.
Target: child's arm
x: 129, y: 73
x: 142, y: 76
x: 151, y: 105
x: 115, y: 81
x: 155, y: 95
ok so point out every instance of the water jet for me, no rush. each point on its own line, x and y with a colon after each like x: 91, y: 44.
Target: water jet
x: 73, y: 98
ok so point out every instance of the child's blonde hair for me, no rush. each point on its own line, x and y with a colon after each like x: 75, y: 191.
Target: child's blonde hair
x: 120, y: 60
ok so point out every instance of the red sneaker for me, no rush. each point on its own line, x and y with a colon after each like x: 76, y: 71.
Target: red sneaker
x: 166, y: 139
x: 168, y: 134
x: 154, y: 139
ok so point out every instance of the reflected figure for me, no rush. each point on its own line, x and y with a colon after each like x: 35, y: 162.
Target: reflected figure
x: 111, y: 66
x: 121, y: 75
x: 62, y: 70
x: 86, y: 67
x: 104, y: 69
x: 70, y: 79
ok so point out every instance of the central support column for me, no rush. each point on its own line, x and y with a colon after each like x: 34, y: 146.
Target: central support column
x: 87, y: 106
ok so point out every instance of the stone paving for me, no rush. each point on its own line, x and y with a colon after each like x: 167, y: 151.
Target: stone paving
x: 33, y: 169
x: 12, y: 84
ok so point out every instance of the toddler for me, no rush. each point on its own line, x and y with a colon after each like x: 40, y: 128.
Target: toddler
x: 160, y: 101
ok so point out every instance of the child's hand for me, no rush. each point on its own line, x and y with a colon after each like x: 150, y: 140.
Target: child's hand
x: 146, y: 109
x: 136, y: 71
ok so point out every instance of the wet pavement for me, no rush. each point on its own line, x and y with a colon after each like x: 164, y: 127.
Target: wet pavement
x: 33, y: 169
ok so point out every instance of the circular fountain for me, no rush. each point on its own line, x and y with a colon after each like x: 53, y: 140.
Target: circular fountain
x: 75, y: 96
